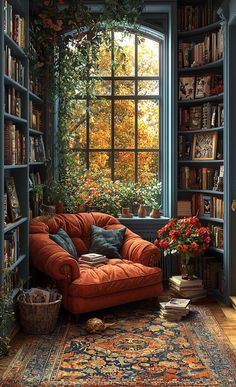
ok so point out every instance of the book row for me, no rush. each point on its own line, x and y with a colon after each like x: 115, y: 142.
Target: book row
x: 13, y: 102
x: 36, y: 87
x: 212, y: 273
x: 13, y: 67
x: 11, y: 248
x: 201, y: 205
x: 200, y: 86
x: 201, y: 146
x: 191, y: 17
x: 12, y: 209
x: 14, y: 145
x: 34, y: 179
x: 36, y: 149
x: 14, y: 25
x: 201, y: 178
x: 193, y: 54
x: 35, y: 117
x: 203, y: 116
x: 217, y: 235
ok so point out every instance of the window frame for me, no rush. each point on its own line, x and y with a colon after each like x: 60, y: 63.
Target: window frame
x: 157, y: 37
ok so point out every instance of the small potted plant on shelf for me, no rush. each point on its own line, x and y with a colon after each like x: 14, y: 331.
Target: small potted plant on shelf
x: 187, y: 238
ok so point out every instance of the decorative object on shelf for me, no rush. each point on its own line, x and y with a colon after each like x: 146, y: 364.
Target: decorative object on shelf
x: 186, y: 238
x: 125, y: 212
x: 204, y: 146
x: 13, y: 201
x: 155, y: 213
x: 142, y: 212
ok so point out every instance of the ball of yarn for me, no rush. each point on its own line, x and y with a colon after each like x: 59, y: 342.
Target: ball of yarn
x: 94, y: 325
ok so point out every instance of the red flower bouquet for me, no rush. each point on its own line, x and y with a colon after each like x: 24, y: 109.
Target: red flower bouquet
x: 184, y: 237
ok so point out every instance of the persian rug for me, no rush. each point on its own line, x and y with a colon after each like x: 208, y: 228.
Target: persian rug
x: 139, y: 349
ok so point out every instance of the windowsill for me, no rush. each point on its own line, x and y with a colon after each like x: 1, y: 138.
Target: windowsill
x: 147, y: 219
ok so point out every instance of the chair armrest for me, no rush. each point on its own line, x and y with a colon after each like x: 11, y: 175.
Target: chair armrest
x: 50, y: 258
x: 139, y: 250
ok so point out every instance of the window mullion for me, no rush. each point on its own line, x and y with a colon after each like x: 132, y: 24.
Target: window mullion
x: 112, y: 112
x: 87, y: 133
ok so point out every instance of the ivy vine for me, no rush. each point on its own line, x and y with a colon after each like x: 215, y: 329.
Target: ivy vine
x: 65, y: 39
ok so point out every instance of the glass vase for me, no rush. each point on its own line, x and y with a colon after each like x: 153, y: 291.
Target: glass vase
x: 187, y: 269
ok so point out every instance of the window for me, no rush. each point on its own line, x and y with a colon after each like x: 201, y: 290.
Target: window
x: 119, y: 132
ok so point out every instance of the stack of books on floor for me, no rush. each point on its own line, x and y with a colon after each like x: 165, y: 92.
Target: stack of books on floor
x: 92, y: 259
x: 174, y: 309
x: 192, y: 289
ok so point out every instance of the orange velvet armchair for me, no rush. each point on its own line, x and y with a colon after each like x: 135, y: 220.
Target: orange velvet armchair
x: 84, y: 288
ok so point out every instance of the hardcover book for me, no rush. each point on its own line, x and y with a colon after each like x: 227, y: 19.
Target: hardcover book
x: 195, y: 117
x: 14, y: 206
x: 186, y: 88
x: 203, y: 86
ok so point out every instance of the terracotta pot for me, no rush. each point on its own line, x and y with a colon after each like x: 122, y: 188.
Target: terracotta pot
x: 155, y: 213
x: 125, y: 212
x: 142, y: 211
x: 59, y: 207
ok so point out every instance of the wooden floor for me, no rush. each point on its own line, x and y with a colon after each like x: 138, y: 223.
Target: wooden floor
x: 225, y: 316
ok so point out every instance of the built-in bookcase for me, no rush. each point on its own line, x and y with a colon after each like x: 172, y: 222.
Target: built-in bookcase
x: 22, y: 144
x: 14, y: 168
x: 201, y: 122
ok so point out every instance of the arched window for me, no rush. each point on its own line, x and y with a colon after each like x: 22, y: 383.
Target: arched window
x: 119, y: 132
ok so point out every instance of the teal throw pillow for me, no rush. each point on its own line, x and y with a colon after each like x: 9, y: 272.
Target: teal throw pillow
x: 107, y: 242
x: 63, y: 240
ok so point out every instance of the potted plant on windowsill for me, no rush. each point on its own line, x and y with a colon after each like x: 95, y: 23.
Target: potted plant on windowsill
x: 57, y: 195
x: 186, y: 238
x: 152, y: 198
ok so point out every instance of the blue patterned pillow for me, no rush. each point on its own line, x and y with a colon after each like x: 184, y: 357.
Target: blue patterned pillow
x: 63, y: 240
x: 107, y: 242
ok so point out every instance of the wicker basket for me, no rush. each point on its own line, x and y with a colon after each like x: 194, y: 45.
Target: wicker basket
x: 38, y: 318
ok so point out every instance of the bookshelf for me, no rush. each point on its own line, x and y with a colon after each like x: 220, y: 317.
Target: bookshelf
x: 22, y: 144
x: 201, y: 166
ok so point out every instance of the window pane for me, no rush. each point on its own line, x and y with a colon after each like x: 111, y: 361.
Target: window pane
x: 124, y: 57
x: 100, y: 161
x: 148, y: 124
x: 124, y: 124
x: 148, y: 164
x: 148, y: 57
x: 124, y: 87
x: 102, y: 67
x: 100, y: 124
x: 103, y: 87
x: 124, y: 166
x: 148, y: 87
x: 77, y: 125
x: 81, y: 157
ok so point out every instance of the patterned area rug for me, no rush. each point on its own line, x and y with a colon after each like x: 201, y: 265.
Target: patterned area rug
x: 140, y: 349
